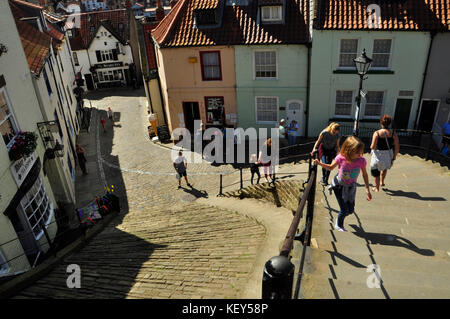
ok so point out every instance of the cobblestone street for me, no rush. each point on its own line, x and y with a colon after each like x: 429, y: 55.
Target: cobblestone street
x: 162, y: 244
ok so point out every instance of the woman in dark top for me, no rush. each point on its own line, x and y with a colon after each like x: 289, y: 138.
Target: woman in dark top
x: 385, y: 147
x: 81, y: 159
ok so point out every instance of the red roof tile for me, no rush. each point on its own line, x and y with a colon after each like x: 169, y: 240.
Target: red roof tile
x: 36, y: 44
x: 409, y: 15
x: 239, y: 25
x: 83, y: 34
x: 150, y: 49
x: 205, y: 4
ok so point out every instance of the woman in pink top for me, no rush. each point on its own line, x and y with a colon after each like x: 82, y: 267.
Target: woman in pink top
x: 350, y: 162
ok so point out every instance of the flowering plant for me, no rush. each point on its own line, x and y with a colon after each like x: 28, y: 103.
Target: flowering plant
x: 24, y: 144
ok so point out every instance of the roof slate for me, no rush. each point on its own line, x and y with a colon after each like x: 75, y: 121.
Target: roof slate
x: 240, y: 25
x: 83, y: 35
x: 402, y: 15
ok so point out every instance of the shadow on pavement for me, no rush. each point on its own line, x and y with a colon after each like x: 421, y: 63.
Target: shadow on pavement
x: 390, y: 240
x: 412, y: 195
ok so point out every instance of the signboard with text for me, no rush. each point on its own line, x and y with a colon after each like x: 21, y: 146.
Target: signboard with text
x: 22, y: 167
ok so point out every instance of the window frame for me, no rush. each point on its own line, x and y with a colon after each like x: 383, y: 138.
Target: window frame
x: 351, y: 104
x: 75, y: 58
x: 339, y: 54
x: 388, y: 67
x: 48, y: 207
x: 277, y: 109
x: 206, y: 108
x: 254, y: 64
x: 363, y: 113
x: 4, y: 265
x: 10, y: 116
x: 202, y: 66
x: 272, y: 19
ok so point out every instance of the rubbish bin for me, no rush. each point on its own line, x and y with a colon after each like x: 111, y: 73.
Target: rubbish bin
x: 278, y: 278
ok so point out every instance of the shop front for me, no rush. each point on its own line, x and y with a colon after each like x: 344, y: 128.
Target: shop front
x: 109, y: 75
x: 31, y: 211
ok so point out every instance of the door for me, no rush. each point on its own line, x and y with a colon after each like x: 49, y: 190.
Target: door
x: 294, y: 112
x: 427, y: 115
x: 191, y: 113
x: 89, y: 81
x: 402, y: 113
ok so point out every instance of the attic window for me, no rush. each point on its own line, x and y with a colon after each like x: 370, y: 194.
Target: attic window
x: 271, y: 14
x: 206, y: 17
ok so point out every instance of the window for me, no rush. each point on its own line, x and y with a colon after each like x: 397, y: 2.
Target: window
x: 266, y: 109
x: 47, y: 83
x: 109, y: 76
x: 210, y: 63
x: 343, y: 106
x: 381, y: 53
x: 106, y: 55
x: 120, y: 27
x: 92, y: 29
x: 37, y: 207
x: 214, y: 109
x: 374, y: 103
x: 61, y: 135
x: 70, y: 33
x: 61, y: 63
x: 75, y: 58
x: 69, y: 163
x: 206, y: 17
x: 271, y: 14
x: 68, y: 93
x: 8, y: 127
x: 4, y: 267
x: 348, y: 52
x: 265, y: 64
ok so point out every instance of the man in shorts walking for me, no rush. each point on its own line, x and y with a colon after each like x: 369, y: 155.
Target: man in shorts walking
x: 180, y: 165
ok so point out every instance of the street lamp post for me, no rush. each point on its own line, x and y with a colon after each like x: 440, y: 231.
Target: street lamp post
x: 362, y: 64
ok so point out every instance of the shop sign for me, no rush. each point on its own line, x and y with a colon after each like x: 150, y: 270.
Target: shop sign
x: 22, y: 167
x: 108, y: 65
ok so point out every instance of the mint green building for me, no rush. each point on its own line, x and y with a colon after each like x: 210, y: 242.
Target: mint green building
x: 398, y: 41
x: 271, y: 84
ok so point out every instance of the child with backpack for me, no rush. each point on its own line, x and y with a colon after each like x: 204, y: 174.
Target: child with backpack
x: 254, y: 168
x: 351, y: 162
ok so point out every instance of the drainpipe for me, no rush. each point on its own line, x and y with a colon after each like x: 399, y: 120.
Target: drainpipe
x: 432, y: 34
x: 308, y: 89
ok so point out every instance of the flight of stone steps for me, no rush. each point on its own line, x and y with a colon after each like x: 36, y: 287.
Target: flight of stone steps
x: 285, y: 193
x: 404, y: 230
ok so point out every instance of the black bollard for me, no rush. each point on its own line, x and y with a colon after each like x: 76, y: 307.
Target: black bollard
x: 278, y: 278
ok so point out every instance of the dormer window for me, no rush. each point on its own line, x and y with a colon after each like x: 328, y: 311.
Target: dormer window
x: 271, y: 14
x: 206, y: 17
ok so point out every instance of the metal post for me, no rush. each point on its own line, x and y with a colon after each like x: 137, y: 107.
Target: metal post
x: 278, y: 278
x: 358, y: 107
x: 427, y: 157
x: 52, y: 248
x: 242, y: 186
x: 220, y: 186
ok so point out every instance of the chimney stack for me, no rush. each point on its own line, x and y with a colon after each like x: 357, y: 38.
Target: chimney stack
x: 159, y: 11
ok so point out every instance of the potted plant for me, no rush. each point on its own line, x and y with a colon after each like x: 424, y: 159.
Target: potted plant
x: 24, y: 145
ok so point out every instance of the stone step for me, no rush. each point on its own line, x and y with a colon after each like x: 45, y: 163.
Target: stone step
x: 344, y: 247
x: 414, y: 240
x: 317, y: 287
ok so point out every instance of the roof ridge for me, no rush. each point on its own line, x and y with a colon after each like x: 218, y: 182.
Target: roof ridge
x: 170, y: 18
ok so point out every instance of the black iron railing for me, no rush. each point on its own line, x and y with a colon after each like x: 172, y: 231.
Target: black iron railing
x: 278, y: 275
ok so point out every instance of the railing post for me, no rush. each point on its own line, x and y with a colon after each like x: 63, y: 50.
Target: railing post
x: 50, y: 244
x: 240, y: 172
x: 220, y: 186
x: 278, y: 278
x: 427, y: 156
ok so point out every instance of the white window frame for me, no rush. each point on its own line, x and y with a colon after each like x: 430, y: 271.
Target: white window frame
x: 107, y: 53
x: 256, y: 109
x: 390, y: 55
x: 4, y: 266
x: 353, y: 67
x: 10, y: 116
x: 272, y: 18
x: 351, y: 108
x: 363, y: 108
x: 254, y: 65
x: 48, y: 206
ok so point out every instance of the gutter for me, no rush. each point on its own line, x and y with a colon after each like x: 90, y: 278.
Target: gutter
x: 432, y: 34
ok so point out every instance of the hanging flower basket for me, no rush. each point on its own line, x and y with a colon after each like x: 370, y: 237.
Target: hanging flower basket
x: 25, y: 144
